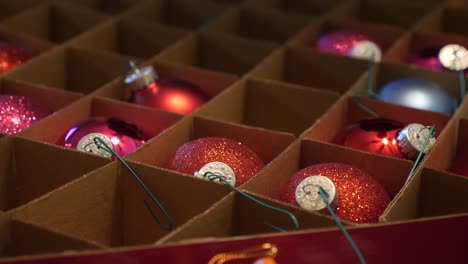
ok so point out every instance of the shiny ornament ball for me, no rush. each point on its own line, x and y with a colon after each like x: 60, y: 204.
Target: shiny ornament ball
x: 359, y: 197
x: 121, y: 136
x: 173, y: 96
x: 345, y: 43
x: 418, y: 93
x: 377, y: 135
x: 460, y: 165
x: 19, y: 112
x: 195, y: 154
x: 10, y: 56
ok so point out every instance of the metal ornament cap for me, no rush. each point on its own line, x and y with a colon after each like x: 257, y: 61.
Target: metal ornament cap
x: 411, y: 140
x: 366, y: 49
x: 218, y: 168
x: 137, y: 79
x: 454, y: 57
x: 307, y: 192
x: 87, y: 144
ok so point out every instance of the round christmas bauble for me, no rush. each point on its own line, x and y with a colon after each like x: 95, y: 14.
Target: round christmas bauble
x: 10, y: 56
x: 220, y: 156
x: 349, y: 43
x: 355, y: 195
x: 19, y: 112
x: 121, y: 136
x: 170, y: 95
x: 386, y: 137
x: 460, y: 165
x: 418, y: 93
x: 451, y: 57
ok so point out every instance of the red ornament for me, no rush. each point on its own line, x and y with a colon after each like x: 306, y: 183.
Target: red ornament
x: 460, y: 165
x: 18, y: 113
x: 386, y: 137
x: 10, y: 57
x: 242, y: 162
x: 170, y: 95
x: 349, y: 43
x: 122, y: 136
x: 355, y: 195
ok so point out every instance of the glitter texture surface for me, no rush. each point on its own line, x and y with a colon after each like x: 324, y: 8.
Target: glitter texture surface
x: 360, y: 198
x: 10, y: 57
x: 193, y: 155
x: 18, y: 113
x: 340, y: 42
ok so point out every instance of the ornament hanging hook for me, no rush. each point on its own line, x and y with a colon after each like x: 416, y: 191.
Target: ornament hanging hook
x: 102, y: 145
x: 212, y: 177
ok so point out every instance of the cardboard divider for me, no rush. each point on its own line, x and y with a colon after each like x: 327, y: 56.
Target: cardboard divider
x: 212, y: 51
x: 384, y: 35
x: 308, y: 7
x: 10, y: 8
x: 347, y: 112
x: 178, y: 13
x: 267, y: 144
x: 432, y: 194
x: 74, y: 69
x: 53, y: 22
x: 211, y: 83
x: 130, y: 38
x: 445, y: 19
x: 113, y: 7
x: 309, y: 67
x: 22, y: 181
x: 107, y: 207
x: 237, y: 215
x: 260, y: 24
x: 411, y: 45
x: 402, y: 14
x: 389, y: 172
x: 22, y: 240
x: 271, y: 105
x: 151, y: 122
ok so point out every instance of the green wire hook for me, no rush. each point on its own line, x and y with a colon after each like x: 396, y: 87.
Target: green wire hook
x: 416, y: 162
x: 102, y: 145
x: 211, y: 176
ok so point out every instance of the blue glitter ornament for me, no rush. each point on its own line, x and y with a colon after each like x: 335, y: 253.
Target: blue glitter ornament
x: 418, y: 93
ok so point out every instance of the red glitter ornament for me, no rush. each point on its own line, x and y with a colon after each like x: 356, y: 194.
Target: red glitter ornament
x: 170, y: 95
x: 460, y: 165
x: 355, y: 195
x: 349, y: 43
x: 122, y: 136
x: 10, y: 57
x: 386, y: 137
x: 18, y: 113
x: 194, y: 155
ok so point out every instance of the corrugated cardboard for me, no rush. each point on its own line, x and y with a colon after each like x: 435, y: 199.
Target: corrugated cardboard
x: 257, y: 23
x: 53, y: 22
x: 130, y: 38
x: 21, y: 179
x: 309, y: 67
x: 75, y: 69
x: 212, y: 50
x: 271, y: 105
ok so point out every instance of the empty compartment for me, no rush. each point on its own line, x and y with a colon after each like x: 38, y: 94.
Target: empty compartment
x: 74, y: 69
x: 129, y: 38
x: 53, y: 22
x: 113, y: 7
x: 31, y: 169
x: 237, y: 215
x: 10, y: 8
x: 266, y: 144
x: 107, y: 207
x: 178, y: 13
x: 266, y: 25
x: 212, y: 51
x: 307, y: 7
x: 446, y: 19
x: 271, y: 105
x: 56, y: 128
x: 312, y: 69
x: 21, y: 240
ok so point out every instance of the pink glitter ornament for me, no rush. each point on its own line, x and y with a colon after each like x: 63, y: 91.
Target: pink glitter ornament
x: 10, y: 57
x: 18, y: 113
x: 122, y: 136
x: 428, y: 58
